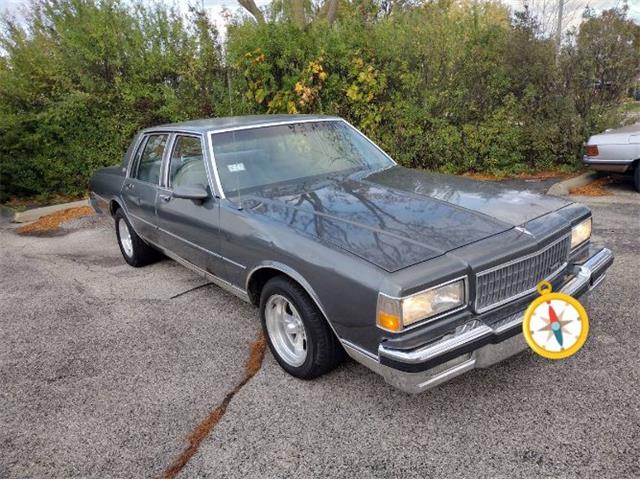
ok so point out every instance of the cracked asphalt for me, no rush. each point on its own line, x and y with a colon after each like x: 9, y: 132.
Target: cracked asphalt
x: 105, y: 371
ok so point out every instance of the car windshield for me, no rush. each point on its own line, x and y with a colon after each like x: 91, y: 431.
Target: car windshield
x: 253, y: 158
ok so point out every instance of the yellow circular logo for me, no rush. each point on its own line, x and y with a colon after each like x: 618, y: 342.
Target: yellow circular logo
x: 555, y: 325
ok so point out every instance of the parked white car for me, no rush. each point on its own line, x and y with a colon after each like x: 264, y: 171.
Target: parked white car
x: 615, y: 150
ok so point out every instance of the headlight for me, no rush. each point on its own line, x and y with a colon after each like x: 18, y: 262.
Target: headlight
x: 394, y: 314
x: 581, y: 233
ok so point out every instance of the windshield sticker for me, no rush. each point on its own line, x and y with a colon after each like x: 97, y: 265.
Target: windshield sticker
x: 236, y: 167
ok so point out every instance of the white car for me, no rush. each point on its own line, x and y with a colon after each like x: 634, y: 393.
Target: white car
x: 615, y: 151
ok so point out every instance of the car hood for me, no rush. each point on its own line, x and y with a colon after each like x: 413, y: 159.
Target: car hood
x: 398, y: 217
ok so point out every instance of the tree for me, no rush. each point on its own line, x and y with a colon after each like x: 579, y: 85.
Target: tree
x: 603, y: 60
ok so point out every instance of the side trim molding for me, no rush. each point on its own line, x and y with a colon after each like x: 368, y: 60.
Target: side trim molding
x: 217, y: 255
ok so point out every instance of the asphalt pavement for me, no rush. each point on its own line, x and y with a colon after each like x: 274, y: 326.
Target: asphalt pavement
x: 106, y: 370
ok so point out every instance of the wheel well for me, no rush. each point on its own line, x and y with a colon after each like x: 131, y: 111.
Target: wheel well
x: 258, y: 281
x: 113, y: 207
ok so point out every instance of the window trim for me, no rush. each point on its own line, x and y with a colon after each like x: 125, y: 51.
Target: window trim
x: 164, y: 180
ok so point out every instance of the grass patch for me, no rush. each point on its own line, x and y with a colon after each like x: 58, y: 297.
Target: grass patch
x: 631, y: 107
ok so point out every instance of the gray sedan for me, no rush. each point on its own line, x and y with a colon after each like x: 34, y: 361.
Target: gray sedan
x: 418, y: 276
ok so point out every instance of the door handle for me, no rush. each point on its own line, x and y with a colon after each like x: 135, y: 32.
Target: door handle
x: 128, y: 186
x: 165, y: 198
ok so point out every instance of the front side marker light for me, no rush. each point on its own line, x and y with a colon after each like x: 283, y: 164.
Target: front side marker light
x: 389, y: 322
x: 389, y: 313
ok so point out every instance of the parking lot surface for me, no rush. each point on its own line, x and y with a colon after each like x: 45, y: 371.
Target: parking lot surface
x: 106, y: 370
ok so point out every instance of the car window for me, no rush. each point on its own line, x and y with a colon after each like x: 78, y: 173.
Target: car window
x: 151, y: 159
x: 187, y: 163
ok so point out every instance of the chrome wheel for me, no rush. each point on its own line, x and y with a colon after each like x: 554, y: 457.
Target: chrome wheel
x: 125, y: 237
x: 286, y: 330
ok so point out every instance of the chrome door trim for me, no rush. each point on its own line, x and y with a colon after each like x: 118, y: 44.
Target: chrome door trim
x: 212, y: 156
x: 140, y: 219
x: 210, y: 252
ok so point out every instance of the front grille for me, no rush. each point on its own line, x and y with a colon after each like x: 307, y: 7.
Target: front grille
x: 515, y: 279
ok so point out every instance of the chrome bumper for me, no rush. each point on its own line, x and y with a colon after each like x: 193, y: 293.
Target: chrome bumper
x: 472, y: 345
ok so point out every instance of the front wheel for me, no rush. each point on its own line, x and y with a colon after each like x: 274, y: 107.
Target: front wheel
x: 134, y: 250
x: 636, y: 177
x: 298, y: 334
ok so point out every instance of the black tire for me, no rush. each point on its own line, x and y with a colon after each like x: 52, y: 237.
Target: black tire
x: 636, y: 177
x: 323, y: 350
x: 141, y: 254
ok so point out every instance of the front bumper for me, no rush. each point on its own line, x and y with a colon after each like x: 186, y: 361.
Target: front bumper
x: 475, y: 344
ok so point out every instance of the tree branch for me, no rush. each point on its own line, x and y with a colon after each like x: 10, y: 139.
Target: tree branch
x: 252, y: 8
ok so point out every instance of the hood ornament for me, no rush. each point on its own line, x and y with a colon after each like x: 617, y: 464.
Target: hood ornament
x: 524, y: 230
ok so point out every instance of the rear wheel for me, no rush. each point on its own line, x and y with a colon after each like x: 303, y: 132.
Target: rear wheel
x: 636, y: 177
x: 134, y: 250
x: 298, y: 334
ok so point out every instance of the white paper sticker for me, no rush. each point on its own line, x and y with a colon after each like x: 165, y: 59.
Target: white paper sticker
x: 236, y: 167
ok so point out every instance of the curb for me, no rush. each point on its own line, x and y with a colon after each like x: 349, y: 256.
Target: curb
x: 6, y: 214
x: 563, y: 187
x: 35, y: 213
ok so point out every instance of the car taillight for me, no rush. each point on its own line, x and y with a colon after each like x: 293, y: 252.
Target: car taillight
x: 591, y: 150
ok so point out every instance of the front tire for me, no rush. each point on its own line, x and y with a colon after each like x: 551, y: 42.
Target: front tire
x: 298, y: 334
x: 134, y: 250
x: 636, y: 177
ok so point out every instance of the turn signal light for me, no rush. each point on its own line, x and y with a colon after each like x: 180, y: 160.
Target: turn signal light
x: 591, y: 150
x: 389, y: 322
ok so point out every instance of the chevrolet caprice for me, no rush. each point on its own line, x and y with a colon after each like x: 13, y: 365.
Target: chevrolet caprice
x: 416, y: 275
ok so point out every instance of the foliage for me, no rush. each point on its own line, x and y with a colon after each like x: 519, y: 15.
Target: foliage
x: 455, y: 86
x: 82, y: 76
x: 451, y: 85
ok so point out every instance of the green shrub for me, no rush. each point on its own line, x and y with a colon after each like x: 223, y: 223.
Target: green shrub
x: 442, y: 85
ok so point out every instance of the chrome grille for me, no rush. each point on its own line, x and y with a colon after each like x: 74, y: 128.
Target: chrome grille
x: 515, y: 279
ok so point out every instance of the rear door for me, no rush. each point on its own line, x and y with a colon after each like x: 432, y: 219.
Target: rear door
x: 189, y: 228
x: 140, y: 189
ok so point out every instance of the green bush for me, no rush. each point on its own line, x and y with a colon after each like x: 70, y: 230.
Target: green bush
x: 83, y: 76
x: 443, y: 85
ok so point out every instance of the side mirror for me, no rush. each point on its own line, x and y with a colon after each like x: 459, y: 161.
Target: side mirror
x: 195, y: 193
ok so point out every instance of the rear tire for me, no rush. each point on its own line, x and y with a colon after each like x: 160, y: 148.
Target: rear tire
x: 636, y: 177
x: 299, y: 336
x: 134, y: 250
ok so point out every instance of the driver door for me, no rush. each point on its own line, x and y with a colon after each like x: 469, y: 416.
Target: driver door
x: 189, y: 228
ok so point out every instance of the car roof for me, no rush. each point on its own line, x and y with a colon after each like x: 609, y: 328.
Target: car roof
x: 246, y: 121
